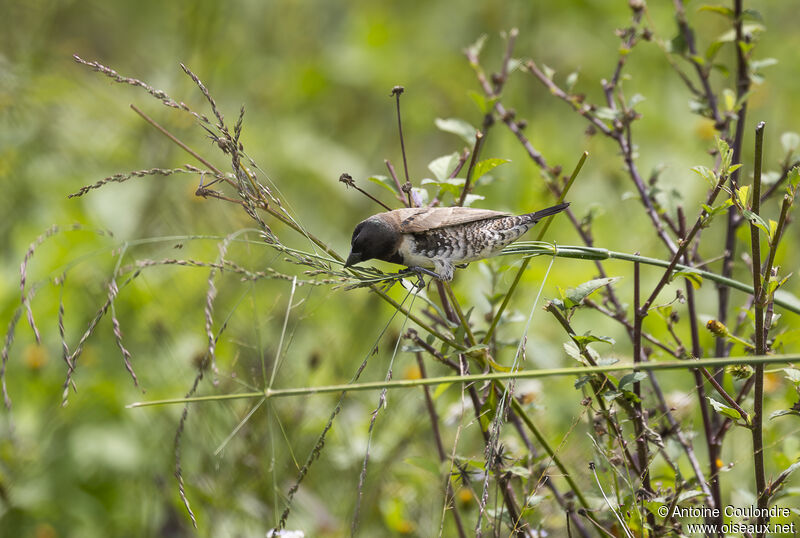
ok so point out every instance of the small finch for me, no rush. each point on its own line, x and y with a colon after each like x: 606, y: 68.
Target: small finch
x: 439, y: 238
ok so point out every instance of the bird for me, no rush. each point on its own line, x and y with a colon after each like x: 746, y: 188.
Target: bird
x: 439, y: 238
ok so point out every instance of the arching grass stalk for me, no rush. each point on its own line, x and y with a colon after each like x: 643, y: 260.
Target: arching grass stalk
x: 522, y: 374
x: 540, y: 248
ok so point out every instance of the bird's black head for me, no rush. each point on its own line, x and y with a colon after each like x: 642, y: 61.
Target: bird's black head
x: 373, y: 238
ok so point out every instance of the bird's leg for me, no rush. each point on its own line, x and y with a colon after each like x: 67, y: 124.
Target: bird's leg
x: 419, y: 271
x: 445, y: 269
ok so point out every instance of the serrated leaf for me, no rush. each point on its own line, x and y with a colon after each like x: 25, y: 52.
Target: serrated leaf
x: 723, y: 409
x: 574, y: 296
x: 443, y: 166
x: 631, y: 378
x: 485, y: 166
x: 457, y: 127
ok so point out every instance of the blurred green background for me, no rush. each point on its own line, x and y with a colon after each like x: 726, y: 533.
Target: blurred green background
x: 314, y: 78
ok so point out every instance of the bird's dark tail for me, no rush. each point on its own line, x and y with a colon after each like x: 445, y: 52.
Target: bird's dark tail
x: 542, y: 213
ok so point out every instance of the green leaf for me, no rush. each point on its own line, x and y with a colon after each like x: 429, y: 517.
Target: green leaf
x: 793, y: 375
x: 443, y: 166
x: 480, y: 100
x: 605, y: 113
x: 728, y: 100
x: 742, y: 195
x: 714, y: 211
x: 470, y: 198
x: 706, y: 173
x: 520, y: 471
x: 573, y: 351
x: 793, y: 179
x: 457, y: 127
x: 694, y: 278
x: 752, y: 28
x: 441, y: 390
x: 385, y: 182
x: 453, y: 186
x: 790, y: 142
x: 723, y: 409
x: 581, y: 381
x: 757, y: 65
x: 588, y: 338
x: 783, y: 412
x: 755, y: 220
x: 773, y: 228
x: 630, y: 379
x: 485, y: 166
x: 572, y: 78
x: 635, y: 100
x: 721, y: 10
x: 712, y: 50
x: 574, y: 296
x: 475, y: 48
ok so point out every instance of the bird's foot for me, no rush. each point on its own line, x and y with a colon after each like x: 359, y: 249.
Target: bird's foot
x: 418, y: 272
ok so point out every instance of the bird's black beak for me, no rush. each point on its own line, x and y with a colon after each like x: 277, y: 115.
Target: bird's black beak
x: 353, y: 259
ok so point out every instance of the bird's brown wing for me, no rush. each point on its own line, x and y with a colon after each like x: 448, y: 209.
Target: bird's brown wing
x: 414, y: 220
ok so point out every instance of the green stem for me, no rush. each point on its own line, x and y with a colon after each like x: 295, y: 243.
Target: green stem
x: 495, y: 376
x: 595, y: 253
